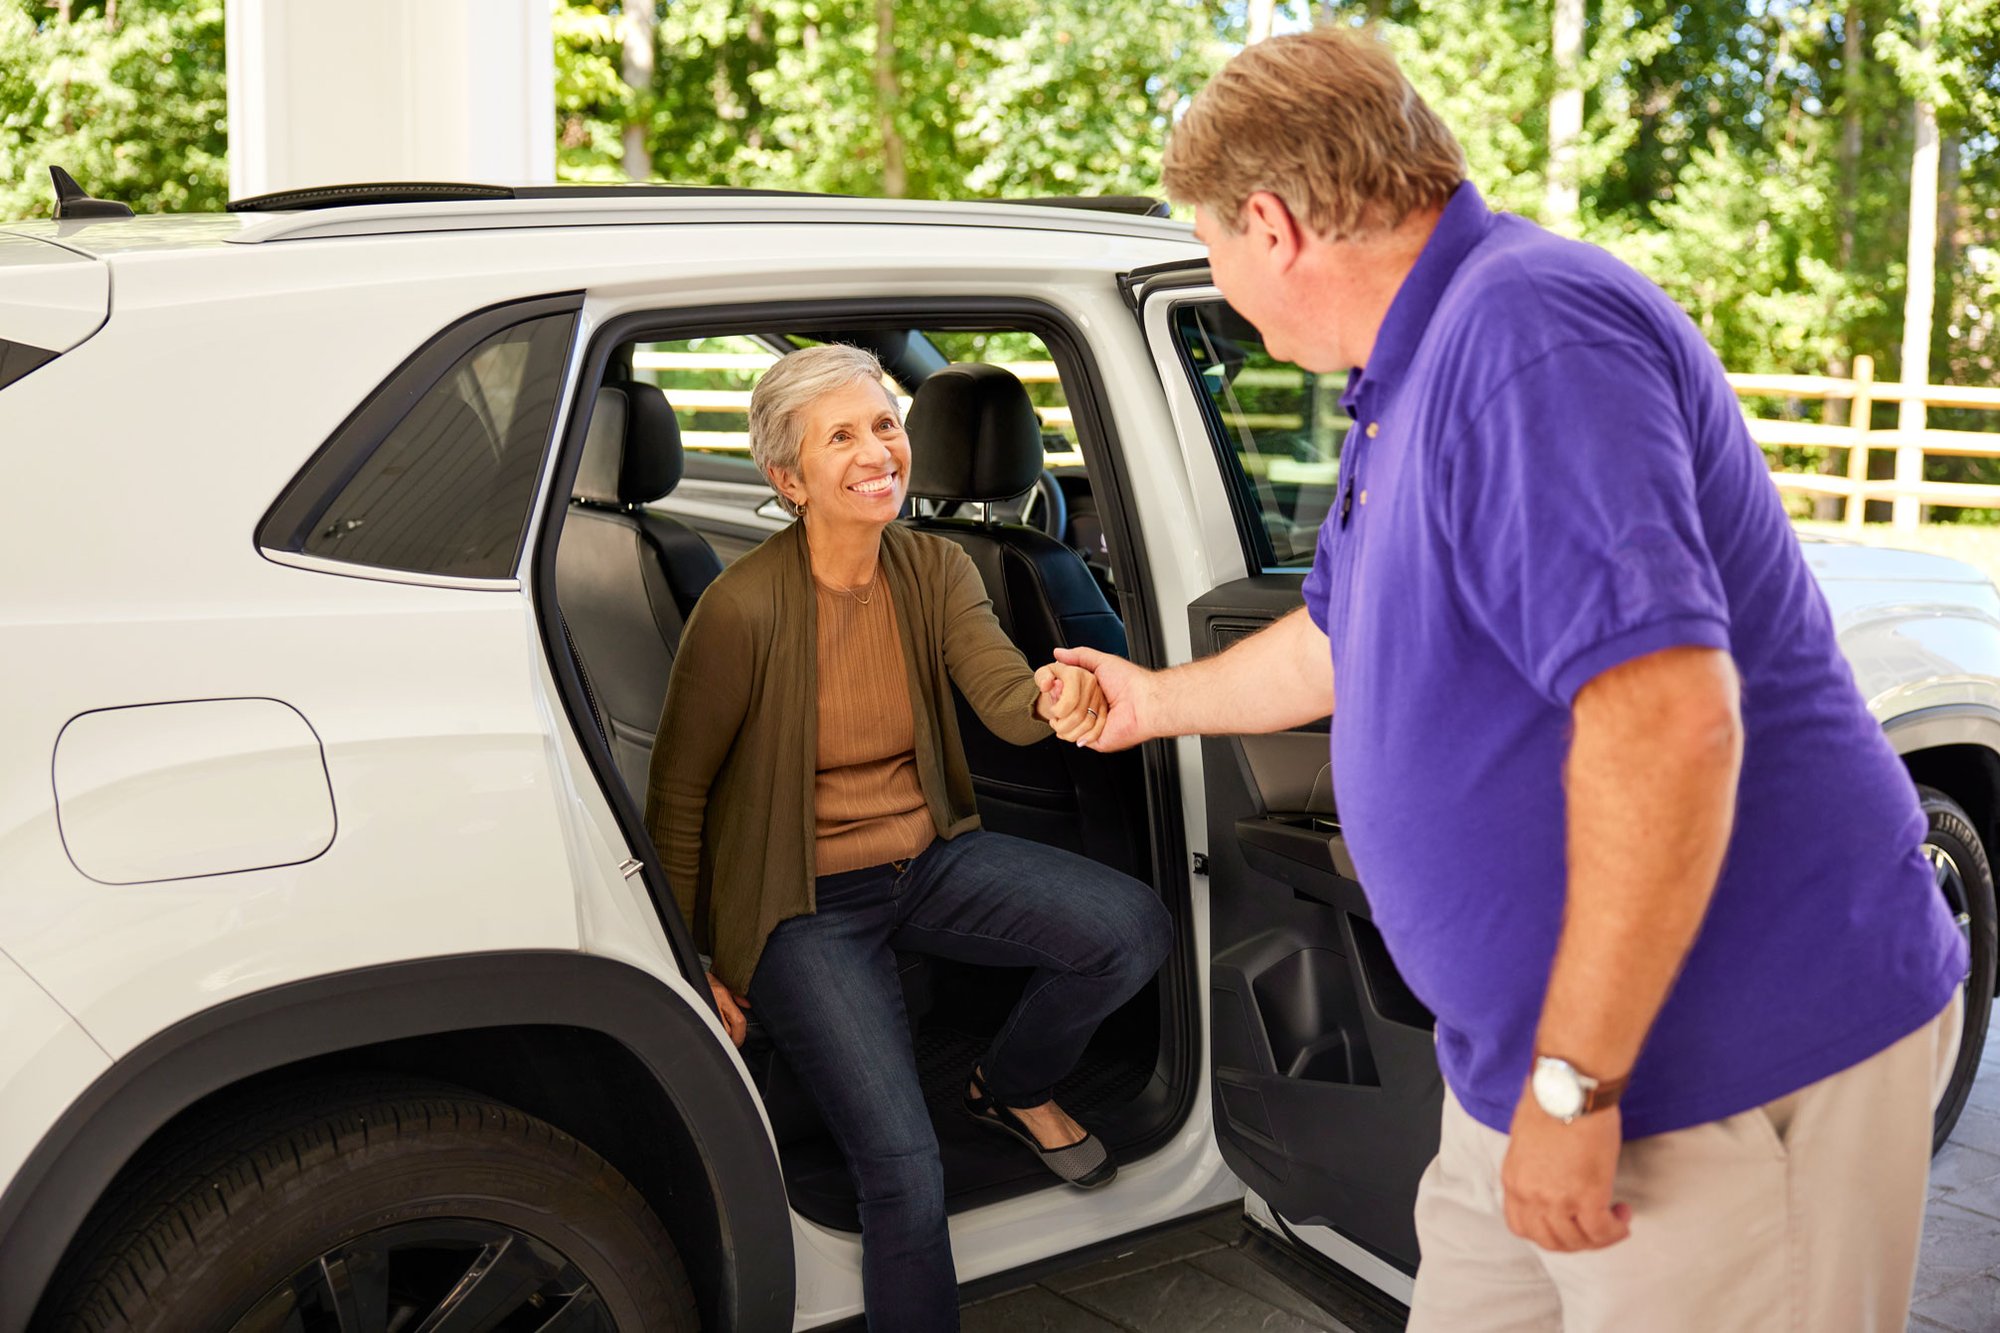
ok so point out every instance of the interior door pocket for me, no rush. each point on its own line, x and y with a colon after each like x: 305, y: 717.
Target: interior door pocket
x: 1284, y: 1007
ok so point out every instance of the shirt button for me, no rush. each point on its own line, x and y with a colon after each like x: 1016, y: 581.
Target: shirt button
x: 1364, y: 497
x: 1374, y: 429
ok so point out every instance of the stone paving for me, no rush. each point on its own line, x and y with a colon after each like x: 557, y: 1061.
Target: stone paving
x: 1958, y: 1274
x: 1211, y: 1277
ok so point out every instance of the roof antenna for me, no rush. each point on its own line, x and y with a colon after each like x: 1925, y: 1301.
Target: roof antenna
x: 73, y: 204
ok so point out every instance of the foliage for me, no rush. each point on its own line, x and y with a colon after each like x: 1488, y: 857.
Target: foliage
x: 993, y: 97
x: 1752, y: 156
x: 128, y: 97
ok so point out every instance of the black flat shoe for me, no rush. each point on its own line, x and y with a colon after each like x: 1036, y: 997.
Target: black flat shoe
x: 1086, y: 1164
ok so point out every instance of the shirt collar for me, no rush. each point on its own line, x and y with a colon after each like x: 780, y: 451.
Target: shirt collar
x: 1461, y: 225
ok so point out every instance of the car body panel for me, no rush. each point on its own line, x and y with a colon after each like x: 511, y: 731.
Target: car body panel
x: 51, y: 298
x: 46, y: 1062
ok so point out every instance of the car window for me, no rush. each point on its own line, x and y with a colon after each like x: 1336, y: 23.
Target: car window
x: 1277, y: 429
x: 708, y: 382
x: 1027, y: 356
x: 447, y: 491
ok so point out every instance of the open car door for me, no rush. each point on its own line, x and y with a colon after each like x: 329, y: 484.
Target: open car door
x: 1324, y: 1074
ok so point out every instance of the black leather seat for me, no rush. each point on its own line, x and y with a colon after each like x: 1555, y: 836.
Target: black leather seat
x: 627, y: 579
x: 974, y: 437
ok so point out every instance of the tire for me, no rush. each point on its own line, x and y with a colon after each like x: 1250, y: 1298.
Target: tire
x: 1965, y: 878
x: 332, y: 1209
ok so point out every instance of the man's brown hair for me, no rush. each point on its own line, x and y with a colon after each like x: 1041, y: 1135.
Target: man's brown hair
x: 1324, y: 120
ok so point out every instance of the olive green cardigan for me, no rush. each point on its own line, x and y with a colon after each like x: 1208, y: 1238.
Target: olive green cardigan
x: 729, y: 800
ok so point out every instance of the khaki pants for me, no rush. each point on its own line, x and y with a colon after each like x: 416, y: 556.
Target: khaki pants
x: 1803, y: 1215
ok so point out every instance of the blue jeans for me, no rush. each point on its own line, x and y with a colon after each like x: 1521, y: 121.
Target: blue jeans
x: 827, y: 992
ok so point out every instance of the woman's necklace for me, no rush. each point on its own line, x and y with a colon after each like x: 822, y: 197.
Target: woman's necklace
x: 868, y: 587
x: 854, y: 594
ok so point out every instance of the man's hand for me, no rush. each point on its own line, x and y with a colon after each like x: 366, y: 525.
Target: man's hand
x: 1070, y: 702
x: 1557, y: 1179
x: 730, y: 1006
x: 1125, y: 689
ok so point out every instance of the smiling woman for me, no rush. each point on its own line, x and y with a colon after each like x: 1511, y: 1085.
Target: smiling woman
x: 807, y: 844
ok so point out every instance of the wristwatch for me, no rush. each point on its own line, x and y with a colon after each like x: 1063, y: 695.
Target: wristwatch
x: 1566, y: 1092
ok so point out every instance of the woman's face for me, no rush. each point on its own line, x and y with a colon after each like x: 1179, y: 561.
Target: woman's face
x: 854, y: 462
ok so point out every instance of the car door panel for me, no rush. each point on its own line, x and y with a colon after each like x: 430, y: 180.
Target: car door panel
x: 1326, y: 1087
x: 1325, y: 1084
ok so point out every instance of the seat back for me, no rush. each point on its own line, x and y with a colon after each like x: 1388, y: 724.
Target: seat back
x: 627, y: 579
x: 974, y: 437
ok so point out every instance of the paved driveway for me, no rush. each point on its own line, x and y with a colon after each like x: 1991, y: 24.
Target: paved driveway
x: 1213, y: 1276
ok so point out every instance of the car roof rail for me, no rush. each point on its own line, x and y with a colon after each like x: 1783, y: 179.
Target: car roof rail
x: 73, y: 202
x: 1138, y: 205
x: 438, y: 192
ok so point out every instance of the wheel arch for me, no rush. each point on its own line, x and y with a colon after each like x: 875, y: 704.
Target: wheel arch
x: 1955, y: 748
x: 599, y: 1048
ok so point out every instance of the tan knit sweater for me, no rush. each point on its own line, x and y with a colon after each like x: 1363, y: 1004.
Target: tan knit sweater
x: 730, y: 797
x: 867, y: 802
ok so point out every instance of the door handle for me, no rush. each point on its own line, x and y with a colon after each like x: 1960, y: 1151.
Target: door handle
x: 1311, y: 840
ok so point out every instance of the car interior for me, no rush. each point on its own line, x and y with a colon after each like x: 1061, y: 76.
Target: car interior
x: 665, y: 496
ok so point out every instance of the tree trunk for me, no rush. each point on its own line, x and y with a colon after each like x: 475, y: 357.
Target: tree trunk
x: 640, y: 22
x: 1562, y: 196
x: 1852, y: 52
x: 1921, y: 275
x: 1948, y: 219
x: 1260, y: 20
x: 895, y: 182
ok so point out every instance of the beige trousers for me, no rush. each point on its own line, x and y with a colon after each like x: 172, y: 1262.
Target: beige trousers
x: 1801, y: 1216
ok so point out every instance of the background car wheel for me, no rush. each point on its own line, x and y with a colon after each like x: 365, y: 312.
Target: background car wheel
x: 1965, y: 878
x: 397, y: 1208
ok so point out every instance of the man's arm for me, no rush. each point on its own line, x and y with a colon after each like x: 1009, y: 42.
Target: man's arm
x: 1651, y: 795
x: 1279, y: 677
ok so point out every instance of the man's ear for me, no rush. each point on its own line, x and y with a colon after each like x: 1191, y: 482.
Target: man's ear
x: 1277, y: 235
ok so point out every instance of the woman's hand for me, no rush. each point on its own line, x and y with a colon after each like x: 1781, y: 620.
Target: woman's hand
x: 1070, y: 702
x: 730, y: 1006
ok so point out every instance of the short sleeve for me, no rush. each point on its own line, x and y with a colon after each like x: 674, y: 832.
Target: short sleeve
x: 1570, y: 506
x: 1318, y: 587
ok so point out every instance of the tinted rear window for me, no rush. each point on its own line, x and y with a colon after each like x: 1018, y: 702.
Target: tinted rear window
x: 17, y: 359
x: 448, y: 488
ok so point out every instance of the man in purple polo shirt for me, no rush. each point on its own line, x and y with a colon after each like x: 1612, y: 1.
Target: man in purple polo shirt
x: 1696, y: 990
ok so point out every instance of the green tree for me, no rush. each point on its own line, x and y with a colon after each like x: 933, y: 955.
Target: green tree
x: 998, y: 96
x: 130, y: 98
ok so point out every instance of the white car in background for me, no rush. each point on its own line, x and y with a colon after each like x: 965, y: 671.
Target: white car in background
x: 348, y: 537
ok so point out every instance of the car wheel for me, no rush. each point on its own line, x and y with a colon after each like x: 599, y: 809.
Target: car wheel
x: 403, y: 1207
x: 1965, y: 878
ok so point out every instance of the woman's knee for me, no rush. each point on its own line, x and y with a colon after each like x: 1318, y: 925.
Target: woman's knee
x: 1151, y: 934
x: 1135, y: 935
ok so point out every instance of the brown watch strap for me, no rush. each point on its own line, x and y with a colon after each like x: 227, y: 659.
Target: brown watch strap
x: 1605, y: 1094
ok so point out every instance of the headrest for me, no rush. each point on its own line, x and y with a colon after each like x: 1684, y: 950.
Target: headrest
x: 973, y: 435
x: 632, y: 452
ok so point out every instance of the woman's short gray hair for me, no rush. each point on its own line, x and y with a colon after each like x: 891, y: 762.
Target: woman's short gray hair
x: 798, y: 380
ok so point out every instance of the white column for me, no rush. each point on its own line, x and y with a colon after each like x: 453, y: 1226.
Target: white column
x: 329, y: 92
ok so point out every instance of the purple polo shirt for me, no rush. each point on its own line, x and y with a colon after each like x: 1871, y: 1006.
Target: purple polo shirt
x: 1548, y: 476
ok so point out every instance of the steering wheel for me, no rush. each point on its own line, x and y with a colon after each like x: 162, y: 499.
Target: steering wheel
x: 1044, y: 506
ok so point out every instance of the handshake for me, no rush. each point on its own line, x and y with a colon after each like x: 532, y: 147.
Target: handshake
x: 1092, y: 699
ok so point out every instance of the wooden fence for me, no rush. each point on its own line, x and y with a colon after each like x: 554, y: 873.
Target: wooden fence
x: 1906, y: 490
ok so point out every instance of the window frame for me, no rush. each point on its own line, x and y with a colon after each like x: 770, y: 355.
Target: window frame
x: 1104, y: 455
x: 282, y: 532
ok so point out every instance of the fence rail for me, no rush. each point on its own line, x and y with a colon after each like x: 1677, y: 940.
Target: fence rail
x: 1907, y: 490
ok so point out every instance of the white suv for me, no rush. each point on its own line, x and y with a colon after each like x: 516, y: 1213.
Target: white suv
x: 347, y: 541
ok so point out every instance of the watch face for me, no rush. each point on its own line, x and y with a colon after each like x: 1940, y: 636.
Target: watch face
x: 1557, y: 1090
